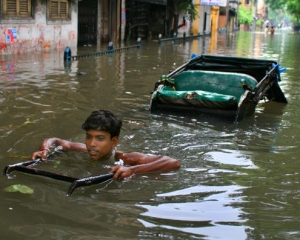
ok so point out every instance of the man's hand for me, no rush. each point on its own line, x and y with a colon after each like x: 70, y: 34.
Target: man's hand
x: 40, y: 154
x: 122, y: 172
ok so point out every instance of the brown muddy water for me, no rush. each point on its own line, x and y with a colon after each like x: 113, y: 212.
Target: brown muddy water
x: 237, y: 181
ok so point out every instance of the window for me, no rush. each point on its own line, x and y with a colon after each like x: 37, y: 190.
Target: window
x: 59, y: 9
x: 222, y: 11
x: 17, y: 8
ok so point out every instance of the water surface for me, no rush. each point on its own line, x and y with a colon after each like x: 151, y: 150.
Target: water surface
x: 237, y: 181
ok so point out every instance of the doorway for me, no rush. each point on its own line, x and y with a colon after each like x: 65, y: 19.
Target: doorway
x: 87, y: 22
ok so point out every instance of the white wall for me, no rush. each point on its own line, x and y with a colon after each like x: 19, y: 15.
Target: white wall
x: 204, y: 9
x: 185, y: 29
x: 38, y: 34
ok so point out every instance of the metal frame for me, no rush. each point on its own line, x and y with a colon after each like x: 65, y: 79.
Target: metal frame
x: 27, y: 167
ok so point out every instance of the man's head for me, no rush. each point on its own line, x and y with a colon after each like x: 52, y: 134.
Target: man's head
x: 103, y: 120
x: 102, y: 134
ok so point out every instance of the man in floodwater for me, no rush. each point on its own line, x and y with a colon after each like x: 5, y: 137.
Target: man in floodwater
x: 102, y: 135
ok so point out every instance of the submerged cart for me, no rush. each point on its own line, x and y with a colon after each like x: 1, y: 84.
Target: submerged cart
x: 225, y: 86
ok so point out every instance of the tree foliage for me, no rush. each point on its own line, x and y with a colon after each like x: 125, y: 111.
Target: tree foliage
x: 245, y: 16
x: 292, y: 7
x: 259, y: 22
x: 276, y: 4
x: 189, y: 8
x: 173, y: 9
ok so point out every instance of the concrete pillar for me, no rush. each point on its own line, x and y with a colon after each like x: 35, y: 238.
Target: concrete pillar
x: 213, y: 42
x: 195, y: 25
x: 214, y: 18
x: 99, y: 24
x: 123, y: 20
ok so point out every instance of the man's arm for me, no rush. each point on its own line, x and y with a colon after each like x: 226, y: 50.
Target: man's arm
x: 50, y: 142
x: 142, y: 163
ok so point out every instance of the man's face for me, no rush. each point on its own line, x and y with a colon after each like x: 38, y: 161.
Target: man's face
x: 99, y: 144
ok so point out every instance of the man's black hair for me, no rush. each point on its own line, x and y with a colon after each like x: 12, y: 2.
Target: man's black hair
x: 103, y: 120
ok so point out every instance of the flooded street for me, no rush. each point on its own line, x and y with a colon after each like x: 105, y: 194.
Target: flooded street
x: 237, y: 181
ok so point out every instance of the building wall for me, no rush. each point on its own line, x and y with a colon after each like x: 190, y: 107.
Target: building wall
x: 186, y: 29
x: 202, y: 23
x: 222, y: 23
x: 205, y: 19
x: 262, y: 10
x: 196, y: 22
x: 38, y: 33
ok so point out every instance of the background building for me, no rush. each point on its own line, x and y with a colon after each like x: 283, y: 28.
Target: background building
x: 46, y: 25
x: 30, y: 26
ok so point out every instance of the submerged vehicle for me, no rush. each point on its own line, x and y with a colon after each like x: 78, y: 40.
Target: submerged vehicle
x: 225, y: 86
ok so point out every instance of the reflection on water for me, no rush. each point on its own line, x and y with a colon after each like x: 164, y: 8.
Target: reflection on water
x: 237, y: 181
x: 225, y: 156
x: 197, y: 209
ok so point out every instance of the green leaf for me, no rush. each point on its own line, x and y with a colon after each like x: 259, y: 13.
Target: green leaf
x: 19, y: 188
x: 190, y: 9
x: 244, y: 16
